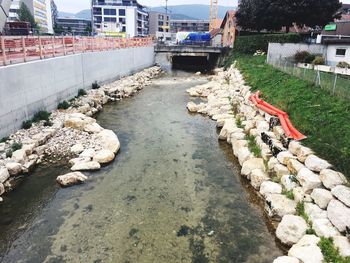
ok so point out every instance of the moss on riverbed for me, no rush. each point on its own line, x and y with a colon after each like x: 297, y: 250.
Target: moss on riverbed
x: 325, y: 119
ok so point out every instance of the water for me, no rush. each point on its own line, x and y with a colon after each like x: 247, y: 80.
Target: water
x: 174, y: 194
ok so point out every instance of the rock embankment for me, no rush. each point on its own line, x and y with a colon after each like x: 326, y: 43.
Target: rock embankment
x: 70, y: 134
x: 303, y: 195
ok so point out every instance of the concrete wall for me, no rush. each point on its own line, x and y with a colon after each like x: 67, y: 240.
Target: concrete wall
x: 40, y: 85
x: 278, y: 51
x: 333, y: 59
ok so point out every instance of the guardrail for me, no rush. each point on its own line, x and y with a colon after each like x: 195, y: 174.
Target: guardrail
x: 28, y: 48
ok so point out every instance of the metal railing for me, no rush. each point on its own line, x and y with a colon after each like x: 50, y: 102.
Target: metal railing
x: 28, y: 48
x: 335, y: 84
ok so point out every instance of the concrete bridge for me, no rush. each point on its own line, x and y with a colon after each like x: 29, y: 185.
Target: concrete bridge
x: 185, y: 56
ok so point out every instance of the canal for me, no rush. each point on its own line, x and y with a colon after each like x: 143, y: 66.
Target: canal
x: 173, y: 194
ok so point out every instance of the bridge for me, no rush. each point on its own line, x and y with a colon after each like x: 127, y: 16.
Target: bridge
x: 180, y: 55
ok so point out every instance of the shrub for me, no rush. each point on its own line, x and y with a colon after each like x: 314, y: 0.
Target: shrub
x: 95, y: 85
x: 250, y: 44
x: 81, y: 92
x: 343, y: 64
x: 318, y: 60
x: 310, y: 58
x: 289, y: 194
x: 239, y: 123
x: 63, y: 105
x: 9, y: 153
x: 4, y: 139
x: 27, y: 124
x: 301, y: 56
x: 41, y: 116
x: 252, y: 146
x: 16, y: 146
x: 48, y: 123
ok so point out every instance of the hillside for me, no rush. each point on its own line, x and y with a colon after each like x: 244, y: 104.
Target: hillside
x: 177, y: 12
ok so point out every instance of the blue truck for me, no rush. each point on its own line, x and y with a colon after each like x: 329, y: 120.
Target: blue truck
x: 196, y: 38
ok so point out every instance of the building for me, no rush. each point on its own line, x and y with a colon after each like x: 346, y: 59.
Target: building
x: 158, y: 22
x: 189, y: 26
x: 119, y: 18
x: 41, y: 11
x: 54, y: 13
x: 73, y: 26
x: 344, y: 12
x: 4, y: 13
x: 228, y: 27
x: 216, y: 37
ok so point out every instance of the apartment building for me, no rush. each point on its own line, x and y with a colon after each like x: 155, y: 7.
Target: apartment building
x: 4, y: 12
x: 119, y: 18
x: 189, y: 26
x: 73, y: 26
x: 158, y: 22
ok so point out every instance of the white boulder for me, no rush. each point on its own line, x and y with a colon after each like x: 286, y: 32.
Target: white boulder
x: 342, y: 192
x: 269, y: 187
x: 314, y: 212
x: 257, y: 177
x: 294, y: 166
x: 280, y: 170
x: 252, y: 164
x: 109, y: 140
x: 324, y: 228
x: 322, y: 197
x: 88, y: 153
x: 284, y: 157
x: 343, y: 244
x: 308, y: 180
x: 303, y: 153
x: 104, y: 156
x: 77, y: 148
x: 71, y: 179
x: 339, y: 215
x: 288, y: 181
x: 307, y: 250
x: 14, y: 168
x: 19, y: 156
x: 316, y: 164
x: 278, y: 205
x: 331, y: 179
x: 291, y: 229
x: 192, y: 107
x: 286, y: 259
x: 4, y: 174
x: 86, y: 166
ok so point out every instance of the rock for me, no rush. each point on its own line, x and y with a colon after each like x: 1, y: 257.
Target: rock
x: 324, y: 228
x: 339, y: 215
x: 88, y: 153
x: 307, y: 250
x: 93, y: 128
x: 294, y: 166
x: 252, y: 164
x: 4, y: 174
x: 2, y: 146
x: 109, y: 140
x: 343, y: 244
x: 308, y: 180
x: 291, y: 229
x: 303, y: 153
x: 331, y: 179
x: 77, y: 121
x: 198, y: 73
x: 269, y: 187
x: 28, y: 148
x: 104, y: 156
x: 280, y: 170
x: 14, y: 168
x: 227, y: 129
x: 299, y: 194
x: 86, y: 166
x: 19, y: 156
x: 71, y: 179
x: 286, y: 259
x: 243, y: 154
x: 271, y: 163
x: 79, y: 160
x: 322, y: 197
x: 314, y: 212
x: 294, y: 147
x: 28, y: 166
x: 284, y: 157
x: 77, y: 148
x: 342, y: 192
x: 257, y: 177
x: 278, y: 205
x: 236, y: 145
x: 288, y: 181
x: 316, y: 164
x: 278, y: 131
x: 192, y: 107
x: 2, y: 189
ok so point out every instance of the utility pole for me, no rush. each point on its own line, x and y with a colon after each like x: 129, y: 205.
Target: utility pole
x: 92, y: 18
x: 167, y: 22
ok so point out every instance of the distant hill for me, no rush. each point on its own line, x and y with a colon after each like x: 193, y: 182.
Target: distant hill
x: 176, y: 11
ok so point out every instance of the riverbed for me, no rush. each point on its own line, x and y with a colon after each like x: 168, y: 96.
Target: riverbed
x: 173, y: 194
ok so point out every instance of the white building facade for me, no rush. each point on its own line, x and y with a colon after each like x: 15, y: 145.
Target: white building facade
x: 119, y: 18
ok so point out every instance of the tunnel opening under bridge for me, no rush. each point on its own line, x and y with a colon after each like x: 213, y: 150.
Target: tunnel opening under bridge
x: 195, y: 63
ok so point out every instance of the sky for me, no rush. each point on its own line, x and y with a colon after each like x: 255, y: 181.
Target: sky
x: 74, y: 6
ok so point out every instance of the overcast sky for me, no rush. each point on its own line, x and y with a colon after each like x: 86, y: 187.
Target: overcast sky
x: 74, y: 6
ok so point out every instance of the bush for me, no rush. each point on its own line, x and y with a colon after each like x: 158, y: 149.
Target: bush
x: 27, y: 124
x: 250, y: 44
x: 95, y: 85
x: 301, y: 56
x: 343, y: 64
x: 16, y: 146
x: 81, y: 92
x: 48, y: 123
x: 318, y: 61
x: 9, y: 153
x: 310, y: 58
x: 4, y: 139
x: 63, y: 105
x: 41, y: 116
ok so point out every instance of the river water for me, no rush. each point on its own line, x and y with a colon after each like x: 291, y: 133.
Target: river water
x: 173, y: 194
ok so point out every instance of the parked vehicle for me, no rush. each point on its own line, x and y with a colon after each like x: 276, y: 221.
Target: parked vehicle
x: 196, y: 38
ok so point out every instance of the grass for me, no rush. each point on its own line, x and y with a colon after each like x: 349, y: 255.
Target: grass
x: 27, y: 124
x: 289, y: 194
x: 325, y: 119
x: 81, y: 92
x: 64, y: 105
x: 330, y: 252
x: 16, y: 146
x: 252, y: 146
x: 4, y: 139
x: 239, y: 123
x: 41, y: 116
x: 301, y: 212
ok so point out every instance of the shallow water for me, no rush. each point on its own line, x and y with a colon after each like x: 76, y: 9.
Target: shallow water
x: 174, y: 194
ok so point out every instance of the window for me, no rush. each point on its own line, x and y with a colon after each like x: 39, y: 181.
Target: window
x: 124, y: 29
x: 340, y: 52
x: 122, y: 20
x: 121, y: 12
x: 109, y: 12
x: 110, y: 19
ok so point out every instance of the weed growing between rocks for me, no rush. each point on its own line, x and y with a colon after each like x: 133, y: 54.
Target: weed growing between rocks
x: 4, y: 139
x: 252, y: 146
x: 301, y: 212
x: 81, y: 92
x: 289, y: 194
x: 42, y: 115
x: 27, y: 124
x: 9, y: 153
x: 95, y: 85
x: 330, y: 252
x: 64, y: 105
x: 239, y: 123
x: 16, y: 146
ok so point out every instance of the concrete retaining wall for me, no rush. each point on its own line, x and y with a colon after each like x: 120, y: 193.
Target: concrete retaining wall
x: 40, y: 85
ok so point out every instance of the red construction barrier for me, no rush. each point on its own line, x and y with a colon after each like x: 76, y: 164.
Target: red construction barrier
x: 286, y: 124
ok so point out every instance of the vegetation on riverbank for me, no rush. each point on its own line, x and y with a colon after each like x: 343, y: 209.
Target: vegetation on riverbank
x: 325, y: 119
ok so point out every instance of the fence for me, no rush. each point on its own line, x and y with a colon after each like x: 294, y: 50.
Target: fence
x: 336, y: 84
x: 27, y: 48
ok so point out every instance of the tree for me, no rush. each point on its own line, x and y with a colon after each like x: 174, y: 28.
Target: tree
x: 25, y: 15
x: 88, y: 29
x: 275, y: 14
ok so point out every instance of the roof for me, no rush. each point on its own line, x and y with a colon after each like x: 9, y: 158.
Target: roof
x: 229, y: 13
x: 342, y: 28
x: 334, y: 41
x: 214, y: 32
